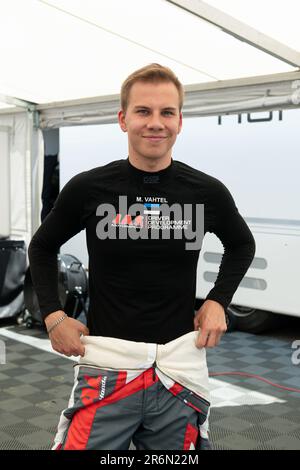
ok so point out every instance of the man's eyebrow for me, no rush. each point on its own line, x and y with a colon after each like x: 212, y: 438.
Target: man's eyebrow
x: 146, y: 107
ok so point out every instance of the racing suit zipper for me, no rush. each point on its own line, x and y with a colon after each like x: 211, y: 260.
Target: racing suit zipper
x: 163, y: 372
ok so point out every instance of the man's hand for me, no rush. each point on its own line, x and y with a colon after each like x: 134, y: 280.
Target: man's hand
x: 65, y: 337
x: 211, y: 320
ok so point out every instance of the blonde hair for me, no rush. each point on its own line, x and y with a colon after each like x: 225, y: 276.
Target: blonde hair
x: 154, y: 73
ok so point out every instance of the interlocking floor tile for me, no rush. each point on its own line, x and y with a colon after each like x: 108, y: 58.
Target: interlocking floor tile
x: 35, y: 387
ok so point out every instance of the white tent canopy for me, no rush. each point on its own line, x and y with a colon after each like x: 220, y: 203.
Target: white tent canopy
x: 58, y: 50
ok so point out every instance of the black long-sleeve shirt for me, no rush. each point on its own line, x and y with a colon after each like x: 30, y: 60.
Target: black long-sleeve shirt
x: 141, y: 289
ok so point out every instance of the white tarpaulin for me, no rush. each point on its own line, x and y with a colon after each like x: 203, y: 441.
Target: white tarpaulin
x: 54, y: 50
x: 20, y: 176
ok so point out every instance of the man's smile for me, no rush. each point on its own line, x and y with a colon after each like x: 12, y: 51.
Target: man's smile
x: 155, y: 138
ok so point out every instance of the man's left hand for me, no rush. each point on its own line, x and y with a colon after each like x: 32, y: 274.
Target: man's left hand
x: 211, y: 320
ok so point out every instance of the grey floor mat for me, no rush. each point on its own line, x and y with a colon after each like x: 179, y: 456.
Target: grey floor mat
x: 35, y: 387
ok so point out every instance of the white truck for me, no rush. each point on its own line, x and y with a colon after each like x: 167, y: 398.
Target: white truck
x: 257, y: 157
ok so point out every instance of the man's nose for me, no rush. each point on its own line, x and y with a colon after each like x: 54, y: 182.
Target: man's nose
x: 155, y: 121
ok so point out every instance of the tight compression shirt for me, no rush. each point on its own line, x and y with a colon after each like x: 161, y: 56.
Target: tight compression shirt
x: 141, y: 288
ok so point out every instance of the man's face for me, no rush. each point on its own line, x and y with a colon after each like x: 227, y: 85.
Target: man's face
x: 152, y: 120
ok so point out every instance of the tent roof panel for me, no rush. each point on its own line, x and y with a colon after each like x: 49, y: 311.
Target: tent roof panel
x: 68, y: 49
x: 279, y: 19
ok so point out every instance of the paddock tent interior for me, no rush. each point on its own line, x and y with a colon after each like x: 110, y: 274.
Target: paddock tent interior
x: 63, y: 61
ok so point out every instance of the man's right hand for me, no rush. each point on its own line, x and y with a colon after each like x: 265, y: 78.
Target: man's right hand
x: 65, y: 337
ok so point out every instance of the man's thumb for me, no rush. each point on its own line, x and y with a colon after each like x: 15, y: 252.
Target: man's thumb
x: 84, y: 330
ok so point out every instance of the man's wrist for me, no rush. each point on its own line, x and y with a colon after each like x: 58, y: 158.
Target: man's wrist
x: 215, y: 301
x: 52, y: 317
x: 56, y: 323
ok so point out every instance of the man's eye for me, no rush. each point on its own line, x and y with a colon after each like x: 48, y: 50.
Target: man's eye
x: 143, y: 111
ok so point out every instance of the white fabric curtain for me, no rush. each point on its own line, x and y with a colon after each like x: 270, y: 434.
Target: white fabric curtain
x: 23, y: 173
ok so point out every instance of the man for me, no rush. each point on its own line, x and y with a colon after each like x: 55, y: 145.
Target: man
x: 142, y: 288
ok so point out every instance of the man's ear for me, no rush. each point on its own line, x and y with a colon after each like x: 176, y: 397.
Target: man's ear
x: 121, y: 119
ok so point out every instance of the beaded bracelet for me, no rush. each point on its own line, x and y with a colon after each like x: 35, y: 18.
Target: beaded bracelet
x: 57, y: 322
